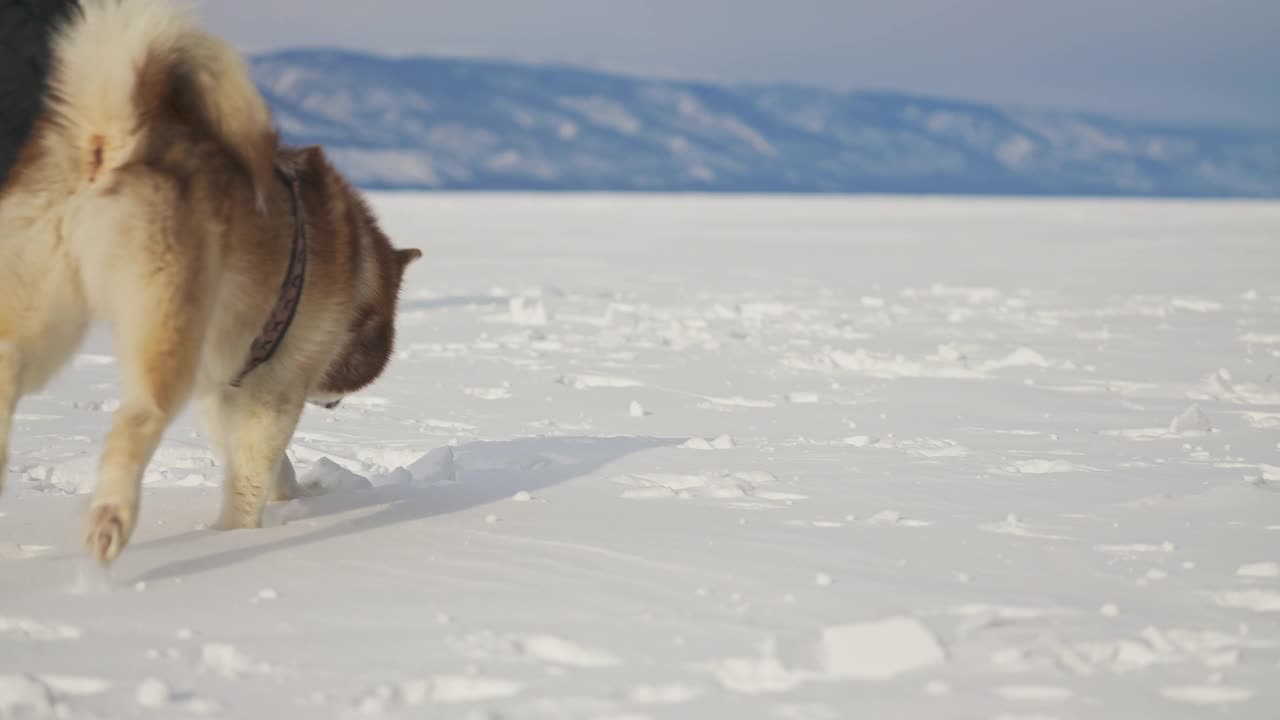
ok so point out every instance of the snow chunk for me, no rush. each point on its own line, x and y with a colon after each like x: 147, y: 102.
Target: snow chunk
x: 1022, y: 357
x: 671, y: 694
x: 552, y: 649
x: 584, y: 382
x: 488, y: 393
x: 327, y: 476
x: 1012, y: 525
x: 1255, y: 600
x: 76, y: 476
x: 229, y: 662
x: 760, y: 310
x: 1045, y: 467
x: 757, y: 675
x: 1207, y: 694
x: 153, y: 693
x: 36, y: 630
x: 1038, y: 693
x: 1194, y: 304
x: 436, y: 467
x: 1191, y: 422
x: 865, y: 363
x: 23, y: 696
x: 456, y: 689
x: 1259, y: 570
x: 78, y: 685
x: 721, y: 442
x: 879, y: 650
x: 528, y: 311
x: 803, y: 398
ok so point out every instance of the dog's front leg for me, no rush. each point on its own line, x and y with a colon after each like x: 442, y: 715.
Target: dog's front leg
x: 260, y: 425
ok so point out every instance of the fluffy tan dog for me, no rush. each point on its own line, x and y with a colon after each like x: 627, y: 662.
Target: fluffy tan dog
x: 154, y: 195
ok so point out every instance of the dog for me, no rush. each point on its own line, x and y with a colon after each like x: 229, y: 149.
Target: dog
x: 154, y: 195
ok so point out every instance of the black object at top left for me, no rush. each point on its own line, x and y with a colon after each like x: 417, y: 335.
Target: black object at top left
x: 25, y: 27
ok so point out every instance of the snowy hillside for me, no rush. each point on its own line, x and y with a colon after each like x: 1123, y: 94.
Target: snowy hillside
x: 716, y: 459
x: 429, y: 123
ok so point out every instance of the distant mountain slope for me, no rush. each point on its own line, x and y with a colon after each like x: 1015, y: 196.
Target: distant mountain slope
x: 467, y: 124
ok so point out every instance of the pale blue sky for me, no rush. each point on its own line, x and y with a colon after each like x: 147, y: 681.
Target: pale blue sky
x: 1198, y: 60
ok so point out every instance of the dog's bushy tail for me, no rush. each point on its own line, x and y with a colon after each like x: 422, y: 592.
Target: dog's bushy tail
x: 120, y: 64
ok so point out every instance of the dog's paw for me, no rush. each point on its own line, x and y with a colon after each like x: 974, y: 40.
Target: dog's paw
x: 110, y: 526
x: 237, y: 521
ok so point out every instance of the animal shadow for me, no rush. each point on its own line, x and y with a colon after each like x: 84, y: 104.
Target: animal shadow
x: 474, y: 474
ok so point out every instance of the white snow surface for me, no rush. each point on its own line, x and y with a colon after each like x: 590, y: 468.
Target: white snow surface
x: 622, y: 436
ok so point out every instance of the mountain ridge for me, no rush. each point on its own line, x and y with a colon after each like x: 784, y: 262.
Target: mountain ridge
x: 482, y: 124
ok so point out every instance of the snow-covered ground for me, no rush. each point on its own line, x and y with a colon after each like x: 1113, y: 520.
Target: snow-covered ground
x: 652, y: 457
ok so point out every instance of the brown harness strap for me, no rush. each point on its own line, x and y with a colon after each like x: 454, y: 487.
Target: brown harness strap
x: 281, y: 317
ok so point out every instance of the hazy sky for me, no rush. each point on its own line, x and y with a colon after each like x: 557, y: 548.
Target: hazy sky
x: 1214, y: 60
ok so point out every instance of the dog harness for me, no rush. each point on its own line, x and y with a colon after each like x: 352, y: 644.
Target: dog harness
x: 281, y: 317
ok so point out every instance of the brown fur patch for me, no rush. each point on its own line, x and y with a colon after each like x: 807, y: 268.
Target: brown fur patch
x: 370, y: 337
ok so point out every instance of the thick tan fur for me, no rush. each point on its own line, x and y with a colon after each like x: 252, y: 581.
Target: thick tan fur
x: 146, y: 198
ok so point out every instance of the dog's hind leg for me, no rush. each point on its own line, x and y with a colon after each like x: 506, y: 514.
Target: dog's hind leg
x: 158, y: 306
x: 159, y: 365
x: 260, y: 423
x: 9, y: 391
